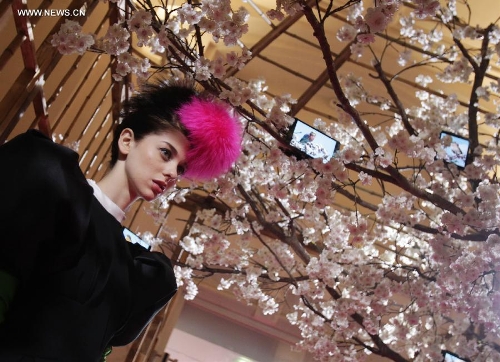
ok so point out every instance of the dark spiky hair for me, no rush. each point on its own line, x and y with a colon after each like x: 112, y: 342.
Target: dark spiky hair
x: 153, y: 110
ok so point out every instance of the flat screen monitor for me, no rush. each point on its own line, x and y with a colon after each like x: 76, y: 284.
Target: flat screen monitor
x: 311, y: 142
x: 457, y: 151
x: 134, y: 239
x: 452, y: 357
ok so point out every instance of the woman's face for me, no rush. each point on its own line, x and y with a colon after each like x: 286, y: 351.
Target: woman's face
x: 153, y: 163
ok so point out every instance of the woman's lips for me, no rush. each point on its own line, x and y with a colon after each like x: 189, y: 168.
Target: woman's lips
x: 158, y: 187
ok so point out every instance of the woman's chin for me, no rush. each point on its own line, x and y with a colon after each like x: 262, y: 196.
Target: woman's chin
x: 150, y: 196
x: 153, y: 195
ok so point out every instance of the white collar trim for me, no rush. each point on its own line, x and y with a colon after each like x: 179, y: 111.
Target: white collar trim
x: 106, y: 202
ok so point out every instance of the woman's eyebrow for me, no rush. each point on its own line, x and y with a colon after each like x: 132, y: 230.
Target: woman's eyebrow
x: 172, y: 148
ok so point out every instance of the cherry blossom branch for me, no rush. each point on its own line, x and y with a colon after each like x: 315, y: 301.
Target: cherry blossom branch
x: 344, y: 104
x: 278, y: 259
x: 330, y: 11
x: 374, y: 173
x: 383, y: 349
x: 479, y: 72
x: 236, y: 271
x: 395, y: 98
x: 291, y: 241
x: 199, y: 41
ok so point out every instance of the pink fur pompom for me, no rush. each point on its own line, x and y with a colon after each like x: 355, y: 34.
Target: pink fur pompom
x: 215, y: 137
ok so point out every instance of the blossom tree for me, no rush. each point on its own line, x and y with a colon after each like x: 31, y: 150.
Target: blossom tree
x: 410, y: 269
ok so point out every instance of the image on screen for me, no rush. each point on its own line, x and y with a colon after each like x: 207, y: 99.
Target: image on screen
x: 312, y: 142
x: 134, y: 239
x: 457, y: 151
x: 449, y: 357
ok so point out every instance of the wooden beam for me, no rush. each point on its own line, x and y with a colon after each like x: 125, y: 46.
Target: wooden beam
x: 10, y: 50
x: 272, y: 35
x: 117, y: 91
x: 15, y: 103
x: 82, y: 104
x: 18, y: 39
x: 29, y: 83
x: 4, y: 7
x: 75, y: 94
x: 73, y: 68
x: 64, y: 80
x: 103, y: 148
x: 23, y: 26
x: 340, y: 60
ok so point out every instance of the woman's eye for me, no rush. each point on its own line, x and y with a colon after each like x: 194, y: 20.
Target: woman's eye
x: 166, y: 153
x: 181, y: 170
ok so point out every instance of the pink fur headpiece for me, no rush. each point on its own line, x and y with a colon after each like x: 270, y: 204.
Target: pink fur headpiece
x: 215, y: 137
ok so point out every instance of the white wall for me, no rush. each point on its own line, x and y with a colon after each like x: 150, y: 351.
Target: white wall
x: 204, y: 337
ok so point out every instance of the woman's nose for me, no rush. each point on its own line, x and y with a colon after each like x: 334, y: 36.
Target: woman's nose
x: 170, y: 171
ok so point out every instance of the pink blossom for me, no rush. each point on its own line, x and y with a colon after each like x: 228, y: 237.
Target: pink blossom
x: 188, y: 13
x: 376, y: 20
x: 366, y: 38
x: 207, y: 25
x: 390, y: 7
x: 64, y: 49
x: 474, y: 172
x: 218, y: 71
x: 232, y: 58
x: 70, y: 39
x: 427, y: 8
x: 241, y: 16
x: 135, y: 23
x: 365, y: 178
x: 346, y: 33
x: 453, y: 223
x: 465, y: 200
x: 360, y: 24
x: 275, y: 15
x: 143, y: 35
x: 350, y: 155
x: 412, y: 318
x: 341, y: 175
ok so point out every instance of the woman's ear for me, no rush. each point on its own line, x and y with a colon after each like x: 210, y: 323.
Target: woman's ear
x: 125, y: 141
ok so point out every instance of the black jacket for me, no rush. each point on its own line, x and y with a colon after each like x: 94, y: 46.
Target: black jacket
x: 82, y: 286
